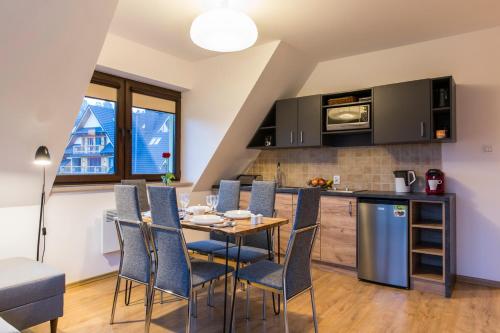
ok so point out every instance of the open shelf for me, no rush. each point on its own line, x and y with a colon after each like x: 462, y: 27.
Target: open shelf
x: 267, y: 129
x: 443, y: 112
x: 429, y: 272
x: 359, y: 131
x: 428, y: 225
x: 429, y: 248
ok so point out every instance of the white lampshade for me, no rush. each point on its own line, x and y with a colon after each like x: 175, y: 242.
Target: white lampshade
x: 224, y: 30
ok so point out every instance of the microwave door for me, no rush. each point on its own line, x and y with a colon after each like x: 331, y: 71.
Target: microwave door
x: 347, y: 116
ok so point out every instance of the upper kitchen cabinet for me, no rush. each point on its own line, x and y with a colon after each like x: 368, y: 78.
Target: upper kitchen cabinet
x: 402, y: 112
x: 298, y: 122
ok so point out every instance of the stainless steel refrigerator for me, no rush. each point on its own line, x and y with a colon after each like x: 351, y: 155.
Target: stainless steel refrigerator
x: 383, y: 241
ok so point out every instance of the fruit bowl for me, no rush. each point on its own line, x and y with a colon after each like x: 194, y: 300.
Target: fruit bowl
x: 320, y: 182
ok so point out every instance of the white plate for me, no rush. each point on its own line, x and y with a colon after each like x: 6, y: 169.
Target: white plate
x: 238, y: 214
x: 198, y: 210
x: 206, y: 219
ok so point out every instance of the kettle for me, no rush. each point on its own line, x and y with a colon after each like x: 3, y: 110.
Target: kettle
x: 403, y: 180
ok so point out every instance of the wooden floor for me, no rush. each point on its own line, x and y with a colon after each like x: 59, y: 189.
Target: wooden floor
x: 344, y: 305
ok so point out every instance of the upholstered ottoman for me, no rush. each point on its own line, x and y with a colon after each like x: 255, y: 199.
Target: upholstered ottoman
x: 30, y: 293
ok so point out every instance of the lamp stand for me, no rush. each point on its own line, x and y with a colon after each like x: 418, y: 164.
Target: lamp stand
x: 41, y: 219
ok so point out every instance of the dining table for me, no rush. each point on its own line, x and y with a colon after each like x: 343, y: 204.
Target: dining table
x: 240, y: 229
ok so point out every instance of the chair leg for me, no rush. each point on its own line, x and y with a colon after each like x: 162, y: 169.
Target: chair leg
x: 117, y: 289
x: 285, y: 313
x: 248, y: 302
x: 190, y: 310
x: 263, y: 304
x: 53, y: 325
x: 149, y: 311
x: 194, y: 299
x: 211, y: 288
x: 313, y: 304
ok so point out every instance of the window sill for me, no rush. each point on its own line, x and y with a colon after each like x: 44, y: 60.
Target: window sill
x: 104, y: 187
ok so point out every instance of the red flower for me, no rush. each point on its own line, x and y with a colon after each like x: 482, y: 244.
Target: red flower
x: 166, y: 155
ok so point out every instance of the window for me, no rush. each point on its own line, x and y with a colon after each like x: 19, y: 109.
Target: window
x: 121, y: 131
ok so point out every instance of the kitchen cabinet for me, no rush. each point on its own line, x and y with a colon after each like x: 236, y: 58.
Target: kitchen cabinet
x: 338, y: 230
x: 284, y: 207
x: 298, y: 122
x: 401, y: 112
x: 244, y: 199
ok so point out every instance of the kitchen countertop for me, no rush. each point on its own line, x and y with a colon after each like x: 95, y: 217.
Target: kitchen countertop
x: 368, y: 194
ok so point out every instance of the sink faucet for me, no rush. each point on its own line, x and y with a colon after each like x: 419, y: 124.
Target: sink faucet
x: 347, y: 188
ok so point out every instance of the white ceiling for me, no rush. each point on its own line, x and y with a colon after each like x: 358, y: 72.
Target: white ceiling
x: 323, y: 29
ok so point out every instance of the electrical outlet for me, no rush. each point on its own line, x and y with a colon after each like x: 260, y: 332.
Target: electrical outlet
x: 487, y: 148
x: 336, y: 180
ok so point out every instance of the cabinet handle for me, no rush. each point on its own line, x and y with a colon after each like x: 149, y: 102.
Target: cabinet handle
x: 422, y: 129
x: 291, y: 136
x: 301, y: 137
x: 350, y: 208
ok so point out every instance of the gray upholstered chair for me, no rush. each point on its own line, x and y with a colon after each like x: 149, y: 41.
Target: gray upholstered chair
x: 141, y: 191
x: 256, y: 246
x: 229, y: 199
x: 135, y: 254
x: 175, y: 273
x: 128, y: 209
x: 135, y: 257
x: 294, y: 276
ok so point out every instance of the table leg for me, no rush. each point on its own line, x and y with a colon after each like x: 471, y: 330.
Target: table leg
x: 269, y: 245
x: 235, y: 284
x: 277, y: 312
x: 225, y: 282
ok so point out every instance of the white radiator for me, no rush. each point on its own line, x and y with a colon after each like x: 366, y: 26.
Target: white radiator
x: 109, y: 238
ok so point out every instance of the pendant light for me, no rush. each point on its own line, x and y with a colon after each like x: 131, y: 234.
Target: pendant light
x: 224, y: 30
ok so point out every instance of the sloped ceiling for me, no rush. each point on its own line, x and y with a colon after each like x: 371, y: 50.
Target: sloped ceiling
x: 283, y: 76
x: 49, y: 50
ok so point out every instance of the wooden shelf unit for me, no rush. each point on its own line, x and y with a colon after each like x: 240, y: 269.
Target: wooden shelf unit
x: 429, y: 246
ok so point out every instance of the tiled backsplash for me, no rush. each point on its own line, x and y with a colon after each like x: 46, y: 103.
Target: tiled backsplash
x: 364, y: 168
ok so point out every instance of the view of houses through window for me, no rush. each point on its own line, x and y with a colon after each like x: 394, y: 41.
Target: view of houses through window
x: 121, y: 131
x: 91, y: 146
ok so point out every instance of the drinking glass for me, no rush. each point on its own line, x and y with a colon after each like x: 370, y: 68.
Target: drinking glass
x: 215, y: 202
x: 184, y: 201
x: 210, y: 201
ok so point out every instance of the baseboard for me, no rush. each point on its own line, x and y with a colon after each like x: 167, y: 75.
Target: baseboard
x: 90, y: 280
x: 478, y: 281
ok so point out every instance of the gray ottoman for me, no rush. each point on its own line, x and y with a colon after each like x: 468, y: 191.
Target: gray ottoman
x: 30, y: 293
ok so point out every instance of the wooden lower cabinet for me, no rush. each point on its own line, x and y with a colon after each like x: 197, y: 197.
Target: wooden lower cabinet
x: 338, y: 230
x: 336, y: 238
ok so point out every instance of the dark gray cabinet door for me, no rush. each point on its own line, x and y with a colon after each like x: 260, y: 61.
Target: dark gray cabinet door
x: 401, y: 112
x: 309, y: 121
x: 286, y: 123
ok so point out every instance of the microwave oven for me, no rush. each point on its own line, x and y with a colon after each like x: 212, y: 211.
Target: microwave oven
x: 348, y: 117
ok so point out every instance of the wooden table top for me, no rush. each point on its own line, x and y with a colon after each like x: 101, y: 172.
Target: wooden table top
x: 242, y: 227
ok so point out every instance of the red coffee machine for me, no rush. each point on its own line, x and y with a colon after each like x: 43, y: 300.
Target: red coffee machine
x: 434, y: 181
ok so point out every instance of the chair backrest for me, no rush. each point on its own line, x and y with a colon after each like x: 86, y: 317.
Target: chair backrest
x: 229, y: 195
x: 172, y: 265
x: 127, y: 203
x: 297, y: 272
x: 229, y: 199
x: 142, y: 191
x: 261, y: 202
x: 135, y: 260
x: 164, y: 209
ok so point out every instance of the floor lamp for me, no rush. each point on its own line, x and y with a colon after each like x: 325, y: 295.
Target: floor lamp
x: 42, y: 158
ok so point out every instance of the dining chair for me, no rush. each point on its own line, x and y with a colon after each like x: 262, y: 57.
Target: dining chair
x: 257, y: 246
x: 293, y: 277
x: 135, y: 257
x: 175, y: 273
x: 229, y: 199
x: 127, y: 209
x: 141, y: 191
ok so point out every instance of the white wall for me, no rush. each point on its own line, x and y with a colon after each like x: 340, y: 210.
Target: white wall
x: 49, y: 50
x: 123, y: 57
x: 473, y: 61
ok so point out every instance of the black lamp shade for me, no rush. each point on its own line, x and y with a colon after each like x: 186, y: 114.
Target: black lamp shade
x: 42, y: 156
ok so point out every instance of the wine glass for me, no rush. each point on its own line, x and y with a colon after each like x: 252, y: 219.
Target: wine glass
x: 184, y: 200
x: 215, y: 202
x: 210, y: 201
